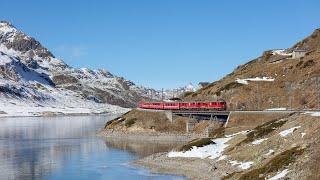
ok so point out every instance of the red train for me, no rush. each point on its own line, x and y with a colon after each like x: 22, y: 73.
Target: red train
x: 215, y: 105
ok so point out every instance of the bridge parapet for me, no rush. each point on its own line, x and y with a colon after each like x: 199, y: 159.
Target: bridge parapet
x: 169, y: 115
x: 190, y: 125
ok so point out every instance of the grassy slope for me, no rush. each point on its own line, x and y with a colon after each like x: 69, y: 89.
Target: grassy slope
x: 296, y: 152
x: 144, y: 121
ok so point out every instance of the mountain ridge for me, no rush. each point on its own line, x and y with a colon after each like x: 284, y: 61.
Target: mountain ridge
x: 28, y: 69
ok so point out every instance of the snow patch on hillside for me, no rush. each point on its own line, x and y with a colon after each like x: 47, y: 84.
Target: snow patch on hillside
x: 276, y: 109
x: 288, y: 131
x: 280, y: 175
x: 316, y: 114
x: 4, y: 59
x: 270, y: 152
x: 211, y: 151
x: 246, y: 81
x: 242, y: 165
x: 8, y: 31
x: 281, y: 52
x: 258, y: 141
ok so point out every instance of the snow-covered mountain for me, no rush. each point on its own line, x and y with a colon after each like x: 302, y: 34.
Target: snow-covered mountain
x: 178, y: 92
x: 33, y: 80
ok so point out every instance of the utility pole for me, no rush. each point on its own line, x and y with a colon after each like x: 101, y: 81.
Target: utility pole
x: 318, y: 88
x: 258, y: 96
x: 173, y: 91
x: 151, y: 95
x: 162, y: 94
x: 290, y: 95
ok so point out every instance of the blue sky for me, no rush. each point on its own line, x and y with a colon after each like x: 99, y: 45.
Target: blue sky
x: 163, y: 43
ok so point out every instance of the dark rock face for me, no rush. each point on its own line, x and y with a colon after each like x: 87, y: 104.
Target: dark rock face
x: 125, y: 83
x: 33, y: 64
x: 11, y: 91
x: 24, y: 45
x: 21, y: 92
x: 21, y: 42
x: 106, y: 97
x: 64, y: 79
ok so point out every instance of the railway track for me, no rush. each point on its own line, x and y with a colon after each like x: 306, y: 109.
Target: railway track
x: 236, y: 111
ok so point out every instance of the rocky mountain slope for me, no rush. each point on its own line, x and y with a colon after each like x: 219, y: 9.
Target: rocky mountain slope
x: 282, y: 148
x: 33, y: 79
x: 273, y: 80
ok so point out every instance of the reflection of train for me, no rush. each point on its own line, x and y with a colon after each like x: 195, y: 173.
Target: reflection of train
x: 214, y: 105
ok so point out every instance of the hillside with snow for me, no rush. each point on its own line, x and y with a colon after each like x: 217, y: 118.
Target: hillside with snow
x: 277, y: 79
x: 34, y: 82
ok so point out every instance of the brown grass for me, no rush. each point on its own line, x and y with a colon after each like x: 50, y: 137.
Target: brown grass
x: 263, y: 130
x: 217, y: 133
x: 240, y: 121
x: 196, y: 142
x: 147, y: 120
x: 274, y: 165
x: 129, y: 122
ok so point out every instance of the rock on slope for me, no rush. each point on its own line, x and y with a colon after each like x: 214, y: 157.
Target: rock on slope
x: 271, y: 81
x: 33, y: 80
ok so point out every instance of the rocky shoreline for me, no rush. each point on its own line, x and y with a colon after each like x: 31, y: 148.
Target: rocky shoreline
x: 149, y: 136
x: 55, y: 114
x: 192, y: 168
x: 276, y: 145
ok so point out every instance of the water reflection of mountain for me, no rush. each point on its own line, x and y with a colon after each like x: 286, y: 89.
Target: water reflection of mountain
x: 30, y: 148
x: 139, y: 147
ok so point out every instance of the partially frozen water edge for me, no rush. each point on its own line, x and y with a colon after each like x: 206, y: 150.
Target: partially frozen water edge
x: 68, y: 148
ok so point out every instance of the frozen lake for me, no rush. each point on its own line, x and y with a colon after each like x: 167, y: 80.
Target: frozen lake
x: 67, y: 148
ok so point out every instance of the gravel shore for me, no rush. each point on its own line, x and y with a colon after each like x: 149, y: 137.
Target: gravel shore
x: 192, y: 168
x: 149, y: 136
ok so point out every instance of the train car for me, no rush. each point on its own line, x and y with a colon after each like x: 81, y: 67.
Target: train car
x: 214, y: 105
x: 151, y: 105
x: 218, y: 105
x: 171, y: 106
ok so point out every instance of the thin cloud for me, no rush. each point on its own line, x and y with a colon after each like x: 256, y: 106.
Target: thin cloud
x: 72, y: 51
